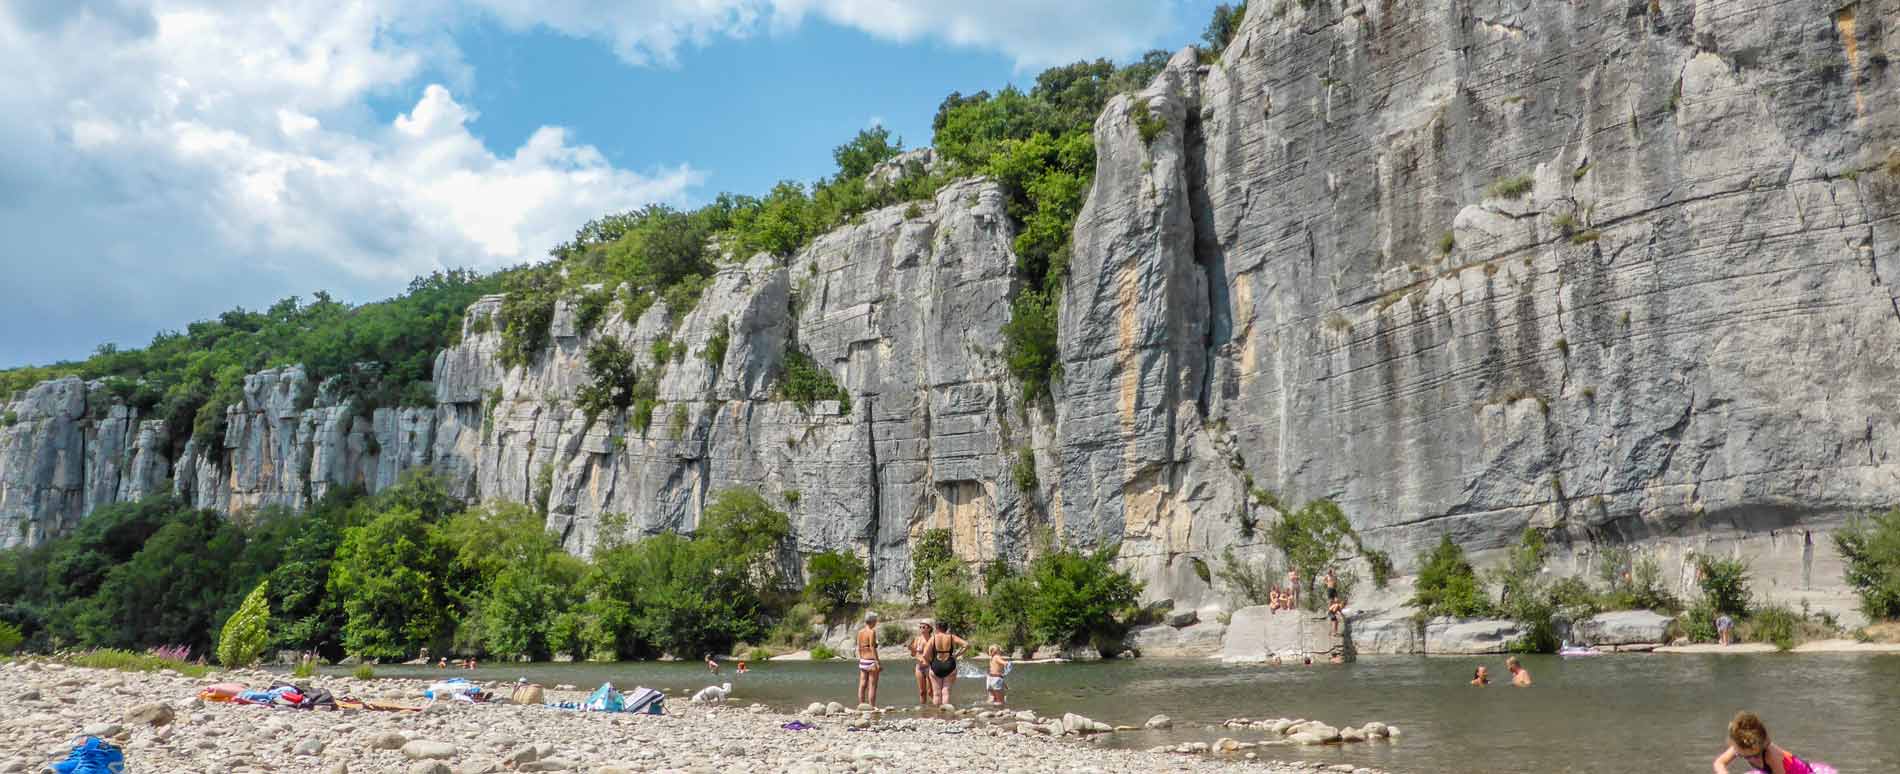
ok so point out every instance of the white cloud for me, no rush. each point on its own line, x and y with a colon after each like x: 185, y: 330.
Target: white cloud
x: 164, y: 160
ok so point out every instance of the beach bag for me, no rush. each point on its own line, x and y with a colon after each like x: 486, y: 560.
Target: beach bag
x: 94, y: 756
x: 646, y: 700
x: 605, y: 699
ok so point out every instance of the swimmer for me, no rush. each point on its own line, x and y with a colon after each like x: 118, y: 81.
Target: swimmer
x: 1481, y: 677
x: 1748, y: 740
x: 1520, y: 677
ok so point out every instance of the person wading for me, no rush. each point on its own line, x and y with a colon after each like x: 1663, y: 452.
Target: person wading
x: 869, y: 666
x: 943, y: 652
x: 919, y: 648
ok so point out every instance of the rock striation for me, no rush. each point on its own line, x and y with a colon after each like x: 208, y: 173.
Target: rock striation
x: 1622, y: 272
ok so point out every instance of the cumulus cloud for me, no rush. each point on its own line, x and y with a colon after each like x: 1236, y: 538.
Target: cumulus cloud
x: 163, y: 160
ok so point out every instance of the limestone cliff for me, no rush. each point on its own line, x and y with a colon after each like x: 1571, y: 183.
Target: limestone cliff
x: 1620, y: 270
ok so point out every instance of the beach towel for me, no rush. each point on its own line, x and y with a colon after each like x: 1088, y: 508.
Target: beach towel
x: 646, y: 700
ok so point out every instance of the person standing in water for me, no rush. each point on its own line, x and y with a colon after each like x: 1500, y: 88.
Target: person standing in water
x: 1748, y: 740
x: 999, y: 667
x: 943, y: 652
x: 919, y: 647
x: 712, y: 664
x: 869, y: 665
x: 1520, y: 677
x: 1481, y: 677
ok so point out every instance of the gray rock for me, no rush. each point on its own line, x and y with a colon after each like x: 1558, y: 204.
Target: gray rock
x: 308, y: 747
x: 548, y: 764
x: 423, y: 749
x: 1183, y: 618
x: 104, y: 730
x: 430, y: 767
x: 1622, y: 627
x: 1456, y: 636
x: 155, y: 713
x: 1159, y: 722
x: 387, y: 740
x: 1254, y: 634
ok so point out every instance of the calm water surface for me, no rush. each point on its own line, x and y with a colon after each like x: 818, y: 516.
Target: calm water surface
x: 1624, y: 713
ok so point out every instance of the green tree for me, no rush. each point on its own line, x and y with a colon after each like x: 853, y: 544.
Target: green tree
x: 1312, y: 539
x: 510, y: 570
x: 835, y: 580
x: 1081, y: 598
x: 388, y: 580
x: 247, y: 632
x: 1030, y: 344
x: 932, y: 564
x: 864, y: 152
x: 1724, y: 584
x: 1871, y: 550
x: 747, y: 531
x: 1223, y: 26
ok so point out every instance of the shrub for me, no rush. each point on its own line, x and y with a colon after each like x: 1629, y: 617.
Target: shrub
x: 1698, y: 621
x: 1870, y: 549
x: 791, y: 498
x: 676, y: 424
x: 835, y: 580
x: 822, y: 653
x: 958, y: 607
x: 1447, y: 243
x: 1724, y: 584
x: 803, y: 382
x: 1511, y: 187
x: 932, y: 564
x: 1030, y: 343
x: 9, y: 419
x: 611, y: 380
x: 759, y: 654
x: 527, y: 315
x: 1252, y: 582
x: 643, y: 414
x: 1146, y: 122
x: 1447, y: 584
x: 1523, y: 597
x: 304, y: 670
x: 893, y: 633
x: 127, y: 661
x: 1080, y: 598
x: 10, y: 638
x: 1381, y: 564
x: 590, y: 307
x: 715, y: 351
x: 1775, y: 624
x: 364, y: 672
x: 1023, y: 472
x: 247, y: 631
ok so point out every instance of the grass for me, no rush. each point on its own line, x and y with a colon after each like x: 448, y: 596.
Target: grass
x: 364, y: 672
x: 127, y: 661
x: 1585, y: 236
x: 1511, y: 187
x: 1338, y: 322
x: 1446, y: 244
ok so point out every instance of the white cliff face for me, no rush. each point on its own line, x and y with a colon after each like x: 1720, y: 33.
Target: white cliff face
x: 1619, y: 272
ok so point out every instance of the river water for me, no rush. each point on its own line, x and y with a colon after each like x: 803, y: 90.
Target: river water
x: 1619, y: 713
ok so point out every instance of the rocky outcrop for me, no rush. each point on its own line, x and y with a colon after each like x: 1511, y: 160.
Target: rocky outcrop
x: 1622, y: 273
x: 1258, y: 633
x: 1621, y: 628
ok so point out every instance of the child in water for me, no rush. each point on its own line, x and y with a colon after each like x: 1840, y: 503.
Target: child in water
x: 1748, y: 740
x: 999, y: 667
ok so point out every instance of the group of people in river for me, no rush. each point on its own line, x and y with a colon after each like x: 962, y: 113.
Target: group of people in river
x: 936, y: 650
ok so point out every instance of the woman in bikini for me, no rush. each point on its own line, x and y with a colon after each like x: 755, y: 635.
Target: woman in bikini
x: 919, y: 647
x: 943, y: 652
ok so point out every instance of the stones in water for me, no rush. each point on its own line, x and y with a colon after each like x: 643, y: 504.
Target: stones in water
x: 1158, y: 722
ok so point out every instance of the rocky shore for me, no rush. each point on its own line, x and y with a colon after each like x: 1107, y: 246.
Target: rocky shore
x: 161, y: 725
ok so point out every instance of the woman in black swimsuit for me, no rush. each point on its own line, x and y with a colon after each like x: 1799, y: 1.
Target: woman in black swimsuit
x: 943, y: 651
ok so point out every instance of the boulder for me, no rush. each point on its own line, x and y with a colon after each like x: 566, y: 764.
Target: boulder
x: 1159, y: 722
x: 424, y: 749
x: 1622, y: 627
x: 1181, y: 619
x: 1255, y: 633
x: 430, y: 767
x: 387, y: 740
x: 155, y: 713
x: 311, y: 746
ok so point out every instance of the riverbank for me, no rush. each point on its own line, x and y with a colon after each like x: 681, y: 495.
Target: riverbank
x: 162, y: 727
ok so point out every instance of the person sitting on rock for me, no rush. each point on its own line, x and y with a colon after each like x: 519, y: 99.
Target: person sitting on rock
x: 1335, y: 611
x: 1273, y: 599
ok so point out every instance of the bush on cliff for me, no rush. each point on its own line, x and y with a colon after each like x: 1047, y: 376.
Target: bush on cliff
x: 1447, y: 584
x: 835, y: 580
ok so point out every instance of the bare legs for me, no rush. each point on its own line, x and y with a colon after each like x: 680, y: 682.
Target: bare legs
x: 943, y: 686
x: 867, y: 686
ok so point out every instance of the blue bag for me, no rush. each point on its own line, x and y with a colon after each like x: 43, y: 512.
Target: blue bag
x: 94, y: 756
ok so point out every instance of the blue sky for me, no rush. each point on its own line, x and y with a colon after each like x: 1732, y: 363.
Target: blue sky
x: 170, y: 159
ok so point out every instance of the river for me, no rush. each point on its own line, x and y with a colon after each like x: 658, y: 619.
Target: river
x: 1637, y: 713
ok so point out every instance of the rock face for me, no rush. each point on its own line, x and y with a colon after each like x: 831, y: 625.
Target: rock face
x: 1622, y: 272
x: 1623, y: 627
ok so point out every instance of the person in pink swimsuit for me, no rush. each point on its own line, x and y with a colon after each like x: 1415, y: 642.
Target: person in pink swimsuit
x: 1748, y: 740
